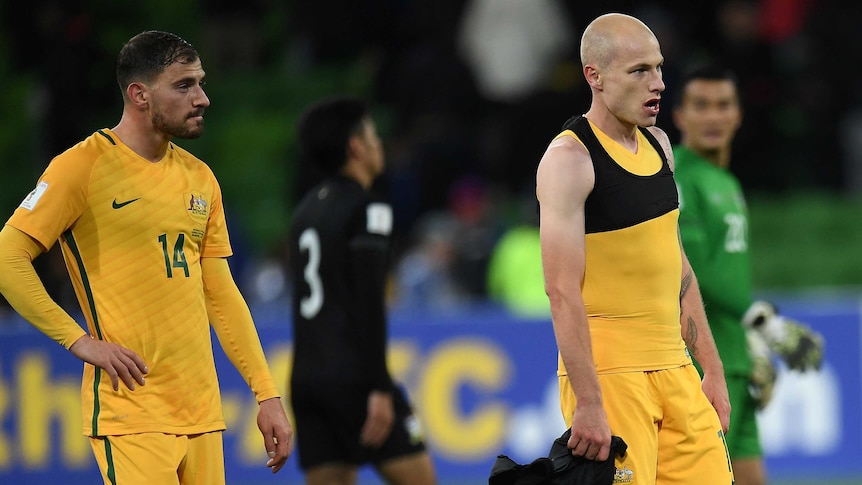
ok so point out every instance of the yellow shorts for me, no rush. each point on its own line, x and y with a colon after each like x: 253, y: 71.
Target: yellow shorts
x: 672, y: 431
x: 160, y: 458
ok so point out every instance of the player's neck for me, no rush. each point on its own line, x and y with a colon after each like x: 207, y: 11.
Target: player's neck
x: 140, y: 136
x: 356, y: 172
x: 719, y: 157
x: 623, y: 133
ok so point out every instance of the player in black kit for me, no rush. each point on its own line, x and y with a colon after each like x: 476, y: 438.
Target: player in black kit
x: 348, y: 411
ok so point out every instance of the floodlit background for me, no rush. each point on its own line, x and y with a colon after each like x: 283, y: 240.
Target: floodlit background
x: 467, y: 94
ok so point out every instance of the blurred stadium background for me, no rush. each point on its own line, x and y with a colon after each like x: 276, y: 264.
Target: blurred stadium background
x: 467, y: 94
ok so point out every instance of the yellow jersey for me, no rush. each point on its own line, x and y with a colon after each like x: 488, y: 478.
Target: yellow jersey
x: 132, y: 234
x: 633, y: 268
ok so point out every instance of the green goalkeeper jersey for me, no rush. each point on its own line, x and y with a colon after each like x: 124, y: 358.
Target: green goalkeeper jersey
x: 714, y: 228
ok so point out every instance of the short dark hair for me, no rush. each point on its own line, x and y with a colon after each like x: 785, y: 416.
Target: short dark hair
x: 704, y: 71
x: 147, y: 54
x: 325, y: 128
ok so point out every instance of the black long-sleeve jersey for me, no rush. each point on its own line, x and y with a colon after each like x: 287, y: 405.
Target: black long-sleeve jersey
x: 340, y: 244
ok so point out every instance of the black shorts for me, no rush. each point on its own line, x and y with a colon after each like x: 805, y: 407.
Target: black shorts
x: 329, y: 421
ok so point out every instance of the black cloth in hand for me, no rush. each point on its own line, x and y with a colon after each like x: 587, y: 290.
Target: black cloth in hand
x: 560, y: 467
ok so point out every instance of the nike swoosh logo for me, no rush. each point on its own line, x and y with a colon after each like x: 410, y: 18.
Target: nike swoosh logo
x: 118, y: 205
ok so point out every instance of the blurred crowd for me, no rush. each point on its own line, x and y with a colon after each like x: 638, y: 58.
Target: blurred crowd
x: 478, y: 88
x: 470, y: 92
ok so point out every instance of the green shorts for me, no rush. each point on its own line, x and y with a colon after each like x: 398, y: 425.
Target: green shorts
x: 743, y: 437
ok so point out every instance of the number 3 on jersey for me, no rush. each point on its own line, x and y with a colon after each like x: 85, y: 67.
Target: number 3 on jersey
x: 310, y: 305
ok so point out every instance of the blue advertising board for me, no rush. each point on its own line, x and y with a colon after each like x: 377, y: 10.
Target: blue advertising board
x: 483, y: 383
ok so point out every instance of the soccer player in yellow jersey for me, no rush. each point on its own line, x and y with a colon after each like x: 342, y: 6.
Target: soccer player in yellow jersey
x: 625, y: 304
x: 142, y: 229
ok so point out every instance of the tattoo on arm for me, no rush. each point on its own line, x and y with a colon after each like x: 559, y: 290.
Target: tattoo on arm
x: 691, y: 335
x: 686, y: 282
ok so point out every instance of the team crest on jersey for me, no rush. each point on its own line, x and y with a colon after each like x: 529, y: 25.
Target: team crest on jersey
x: 623, y: 475
x: 197, y: 206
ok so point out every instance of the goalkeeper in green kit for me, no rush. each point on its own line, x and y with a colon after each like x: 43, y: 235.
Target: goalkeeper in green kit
x: 714, y: 230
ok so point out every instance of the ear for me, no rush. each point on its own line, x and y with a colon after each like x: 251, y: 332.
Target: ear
x: 138, y: 95
x: 355, y: 146
x: 594, y: 79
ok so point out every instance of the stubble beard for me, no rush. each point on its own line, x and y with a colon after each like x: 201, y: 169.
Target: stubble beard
x: 178, y: 129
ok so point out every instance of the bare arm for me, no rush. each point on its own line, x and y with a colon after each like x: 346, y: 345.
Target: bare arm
x: 695, y: 326
x: 564, y: 179
x: 698, y: 339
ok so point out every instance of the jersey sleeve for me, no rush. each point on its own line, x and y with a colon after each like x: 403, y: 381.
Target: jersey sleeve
x: 57, y: 201
x: 369, y: 254
x: 23, y: 289
x: 691, y: 224
x: 232, y: 321
x: 216, y: 243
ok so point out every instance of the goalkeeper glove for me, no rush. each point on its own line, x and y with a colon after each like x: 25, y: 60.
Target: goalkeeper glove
x: 762, y: 380
x: 800, y: 347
